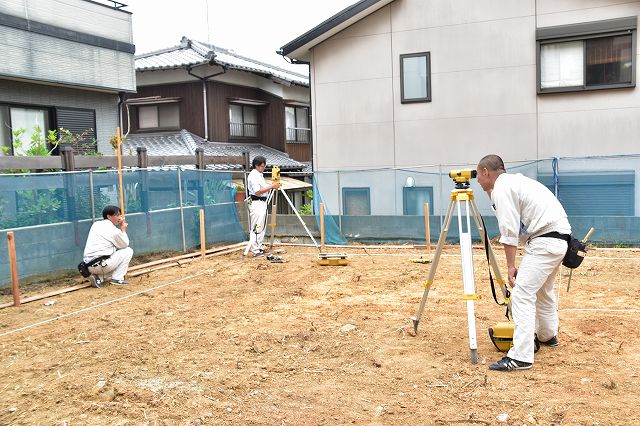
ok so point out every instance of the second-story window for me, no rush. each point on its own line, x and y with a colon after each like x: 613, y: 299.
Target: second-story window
x: 415, y: 77
x: 297, y: 124
x: 243, y: 121
x: 587, y: 56
x: 161, y: 116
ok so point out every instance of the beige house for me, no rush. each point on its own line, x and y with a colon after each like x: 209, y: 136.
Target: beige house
x: 403, y: 83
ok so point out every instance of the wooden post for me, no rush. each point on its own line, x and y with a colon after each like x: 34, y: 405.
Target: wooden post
x: 203, y: 240
x: 66, y: 156
x: 247, y: 161
x: 120, y: 171
x: 15, y: 289
x: 200, y: 158
x: 426, y: 226
x: 143, y: 158
x: 322, y: 227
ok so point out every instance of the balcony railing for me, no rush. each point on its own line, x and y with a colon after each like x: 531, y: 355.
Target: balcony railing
x: 298, y: 134
x: 244, y: 130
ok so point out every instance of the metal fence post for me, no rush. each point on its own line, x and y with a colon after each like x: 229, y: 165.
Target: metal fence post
x: 184, y: 243
x: 91, y: 197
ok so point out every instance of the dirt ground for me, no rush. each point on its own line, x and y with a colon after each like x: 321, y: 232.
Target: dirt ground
x: 241, y: 341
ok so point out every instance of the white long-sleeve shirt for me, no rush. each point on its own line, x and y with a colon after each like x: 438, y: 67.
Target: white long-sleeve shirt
x: 519, y: 199
x: 256, y: 182
x: 104, y: 239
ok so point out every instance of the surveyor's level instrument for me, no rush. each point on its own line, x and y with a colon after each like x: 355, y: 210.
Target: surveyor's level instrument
x: 462, y: 195
x: 273, y: 197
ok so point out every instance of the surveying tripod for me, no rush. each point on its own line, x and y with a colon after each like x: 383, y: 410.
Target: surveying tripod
x: 273, y: 198
x: 463, y: 194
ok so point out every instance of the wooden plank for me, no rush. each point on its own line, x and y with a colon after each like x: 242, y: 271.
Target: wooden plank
x: 9, y: 162
x: 184, y: 256
x: 51, y: 294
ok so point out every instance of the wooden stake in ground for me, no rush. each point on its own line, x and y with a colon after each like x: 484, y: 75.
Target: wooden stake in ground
x: 203, y: 240
x: 322, y: 227
x: 120, y: 171
x: 426, y: 226
x: 13, y: 265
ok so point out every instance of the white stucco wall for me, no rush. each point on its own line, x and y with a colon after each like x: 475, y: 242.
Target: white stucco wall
x: 484, y: 100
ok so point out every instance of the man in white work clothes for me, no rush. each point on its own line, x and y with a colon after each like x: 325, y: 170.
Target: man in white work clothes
x: 258, y: 189
x: 106, y: 240
x: 525, y: 204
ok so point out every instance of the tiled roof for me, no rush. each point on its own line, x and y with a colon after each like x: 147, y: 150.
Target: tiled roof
x: 185, y: 143
x: 192, y: 53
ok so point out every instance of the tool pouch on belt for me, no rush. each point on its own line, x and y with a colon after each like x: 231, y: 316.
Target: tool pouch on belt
x: 83, y: 267
x: 576, y: 251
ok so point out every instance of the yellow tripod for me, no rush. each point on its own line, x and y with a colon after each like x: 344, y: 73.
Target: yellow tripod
x: 463, y: 195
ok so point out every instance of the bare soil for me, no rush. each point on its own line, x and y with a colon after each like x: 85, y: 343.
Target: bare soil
x: 241, y: 341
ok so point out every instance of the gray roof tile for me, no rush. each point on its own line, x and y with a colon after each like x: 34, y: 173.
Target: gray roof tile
x: 185, y: 143
x: 191, y: 53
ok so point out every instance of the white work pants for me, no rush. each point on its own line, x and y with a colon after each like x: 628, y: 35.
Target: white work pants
x: 257, y: 216
x: 114, y: 267
x: 533, y: 302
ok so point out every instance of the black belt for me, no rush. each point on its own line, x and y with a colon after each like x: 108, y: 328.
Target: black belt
x: 557, y: 235
x: 257, y: 198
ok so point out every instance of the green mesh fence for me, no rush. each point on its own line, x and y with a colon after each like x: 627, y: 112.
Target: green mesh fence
x: 51, y: 213
x: 389, y: 204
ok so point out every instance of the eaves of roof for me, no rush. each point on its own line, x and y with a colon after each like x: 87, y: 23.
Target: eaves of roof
x: 299, y: 47
x: 192, y: 53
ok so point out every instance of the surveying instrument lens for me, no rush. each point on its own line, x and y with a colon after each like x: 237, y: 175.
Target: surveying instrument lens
x: 462, y: 177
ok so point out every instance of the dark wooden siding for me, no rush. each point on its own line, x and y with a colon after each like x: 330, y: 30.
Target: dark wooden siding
x: 299, y: 151
x: 270, y: 116
x: 191, y: 110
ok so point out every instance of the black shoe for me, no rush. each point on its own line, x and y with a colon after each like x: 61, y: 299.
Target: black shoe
x: 553, y: 342
x: 119, y: 282
x: 509, y: 364
x: 95, y: 281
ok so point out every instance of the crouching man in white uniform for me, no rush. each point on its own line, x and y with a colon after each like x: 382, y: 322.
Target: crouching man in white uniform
x: 105, y: 239
x: 258, y: 190
x: 524, y: 203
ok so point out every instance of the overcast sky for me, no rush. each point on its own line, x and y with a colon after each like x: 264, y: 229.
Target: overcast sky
x: 255, y: 28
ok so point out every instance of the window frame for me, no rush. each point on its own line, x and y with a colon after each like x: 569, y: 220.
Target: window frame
x: 157, y: 106
x: 296, y: 128
x: 428, y: 65
x: 583, y: 32
x: 347, y: 189
x: 244, y: 123
x: 407, y: 189
x: 49, y: 116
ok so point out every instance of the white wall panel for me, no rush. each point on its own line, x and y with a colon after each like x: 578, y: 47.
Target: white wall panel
x: 353, y: 146
x: 595, y: 132
x: 37, y: 57
x: 471, y: 46
x: 465, y: 140
x: 77, y: 15
x: 361, y: 101
x: 417, y: 14
x: 359, y: 58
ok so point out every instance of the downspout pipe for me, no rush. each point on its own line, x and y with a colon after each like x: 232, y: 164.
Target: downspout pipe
x: 204, y: 94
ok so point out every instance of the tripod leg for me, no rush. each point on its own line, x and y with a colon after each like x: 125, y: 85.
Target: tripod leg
x: 434, y: 265
x: 274, y: 211
x: 468, y: 279
x: 300, y: 218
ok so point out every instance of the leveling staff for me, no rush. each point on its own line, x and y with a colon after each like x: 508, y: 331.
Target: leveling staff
x: 524, y: 203
x: 258, y: 190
